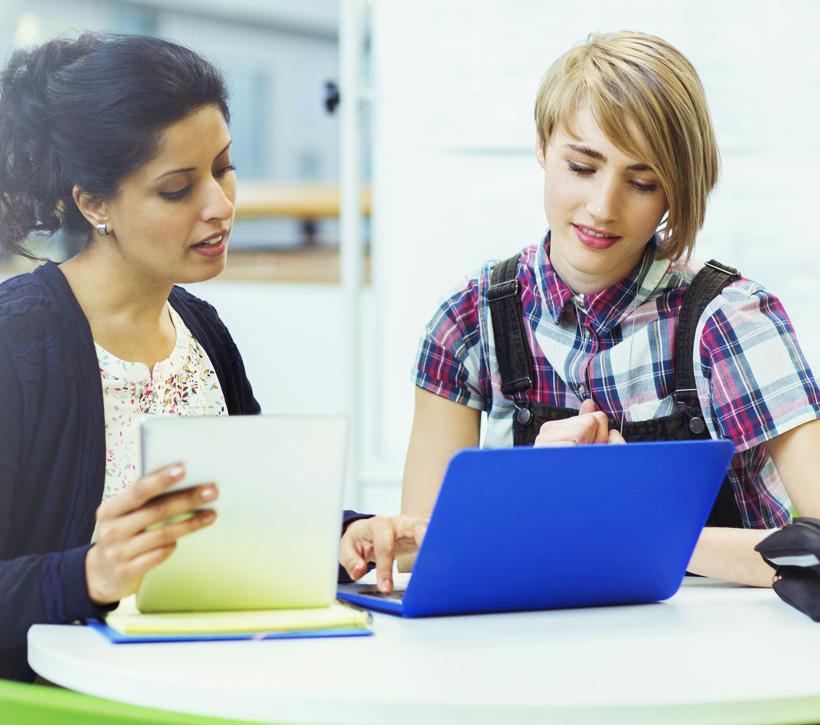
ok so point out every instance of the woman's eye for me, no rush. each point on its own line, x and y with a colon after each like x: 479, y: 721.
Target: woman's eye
x: 644, y: 188
x: 224, y: 170
x: 578, y: 169
x: 175, y: 195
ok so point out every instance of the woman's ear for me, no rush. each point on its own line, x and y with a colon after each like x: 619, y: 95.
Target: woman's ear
x: 92, y: 207
x: 540, y: 150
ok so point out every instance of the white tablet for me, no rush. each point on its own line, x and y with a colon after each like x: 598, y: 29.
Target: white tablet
x: 274, y: 543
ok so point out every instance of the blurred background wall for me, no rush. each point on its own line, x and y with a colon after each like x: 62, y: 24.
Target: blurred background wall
x: 456, y: 182
x: 449, y: 87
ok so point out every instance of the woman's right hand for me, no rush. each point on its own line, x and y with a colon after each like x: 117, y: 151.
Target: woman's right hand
x: 131, y: 537
x: 589, y: 426
x: 380, y: 540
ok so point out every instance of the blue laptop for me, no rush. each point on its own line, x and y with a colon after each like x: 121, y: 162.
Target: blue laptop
x: 544, y: 528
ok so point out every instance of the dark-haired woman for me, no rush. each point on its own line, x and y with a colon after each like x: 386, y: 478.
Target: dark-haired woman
x: 124, y: 142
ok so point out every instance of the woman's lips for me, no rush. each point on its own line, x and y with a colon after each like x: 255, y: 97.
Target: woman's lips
x: 590, y: 237
x: 212, y: 250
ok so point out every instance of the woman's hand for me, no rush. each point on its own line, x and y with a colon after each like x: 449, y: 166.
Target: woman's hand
x: 380, y: 539
x: 589, y: 426
x: 131, y: 538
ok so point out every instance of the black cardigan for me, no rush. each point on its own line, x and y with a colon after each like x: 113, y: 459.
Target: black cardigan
x: 52, y: 447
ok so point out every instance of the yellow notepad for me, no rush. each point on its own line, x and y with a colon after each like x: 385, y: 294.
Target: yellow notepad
x: 127, y: 620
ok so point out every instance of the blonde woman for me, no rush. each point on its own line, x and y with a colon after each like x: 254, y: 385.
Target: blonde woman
x: 615, y: 333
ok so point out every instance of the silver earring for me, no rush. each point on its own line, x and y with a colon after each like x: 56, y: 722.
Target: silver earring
x: 102, y: 230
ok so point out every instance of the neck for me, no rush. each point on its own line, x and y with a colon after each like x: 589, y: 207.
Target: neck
x: 581, y: 281
x: 109, y: 288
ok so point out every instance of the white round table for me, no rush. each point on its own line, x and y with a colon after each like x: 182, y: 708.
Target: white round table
x: 712, y: 653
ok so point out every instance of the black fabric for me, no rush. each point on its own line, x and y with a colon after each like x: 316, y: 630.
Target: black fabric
x: 686, y: 423
x: 800, y: 589
x: 706, y: 285
x: 516, y: 365
x: 794, y: 553
x: 52, y: 448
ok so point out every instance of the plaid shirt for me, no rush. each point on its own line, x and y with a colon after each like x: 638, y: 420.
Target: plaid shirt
x: 617, y: 347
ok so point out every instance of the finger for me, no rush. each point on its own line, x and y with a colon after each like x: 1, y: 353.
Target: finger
x: 419, y: 530
x: 558, y: 432
x: 159, y: 538
x: 601, y: 433
x: 349, y: 557
x: 577, y: 429
x: 148, y: 487
x: 405, y: 527
x: 587, y: 428
x: 139, y: 567
x: 410, y: 532
x: 160, y: 509
x: 587, y: 406
x: 616, y: 437
x: 550, y: 435
x: 384, y: 543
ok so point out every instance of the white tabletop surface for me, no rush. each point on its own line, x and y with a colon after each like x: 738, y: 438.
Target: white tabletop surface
x: 712, y: 653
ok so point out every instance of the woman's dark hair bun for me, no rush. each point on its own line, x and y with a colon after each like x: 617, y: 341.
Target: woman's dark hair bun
x: 32, y: 182
x: 87, y: 111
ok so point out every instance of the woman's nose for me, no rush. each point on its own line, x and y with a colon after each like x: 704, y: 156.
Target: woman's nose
x: 602, y: 204
x: 219, y: 202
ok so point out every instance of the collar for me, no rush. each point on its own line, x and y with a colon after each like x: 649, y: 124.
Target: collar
x: 604, y: 309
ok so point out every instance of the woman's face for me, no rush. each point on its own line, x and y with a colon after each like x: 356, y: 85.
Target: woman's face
x: 172, y: 217
x: 602, y: 206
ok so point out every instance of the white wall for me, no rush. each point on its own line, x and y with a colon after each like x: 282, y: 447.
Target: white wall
x: 455, y: 181
x: 292, y: 340
x: 298, y: 139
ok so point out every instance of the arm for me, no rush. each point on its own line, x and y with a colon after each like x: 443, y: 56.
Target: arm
x: 754, y: 379
x: 446, y: 371
x: 729, y: 553
x: 43, y: 587
x: 796, y: 455
x: 440, y: 428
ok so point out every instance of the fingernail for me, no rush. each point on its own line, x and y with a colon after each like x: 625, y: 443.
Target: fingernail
x: 176, y: 470
x: 208, y: 516
x: 206, y: 494
x: 384, y: 586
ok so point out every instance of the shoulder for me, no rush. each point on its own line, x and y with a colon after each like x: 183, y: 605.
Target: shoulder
x: 205, y: 325
x: 471, y: 292
x: 41, y: 332
x: 29, y: 307
x: 526, y: 265
x: 744, y: 304
x: 743, y: 320
x: 182, y: 299
x: 200, y: 316
x: 741, y: 295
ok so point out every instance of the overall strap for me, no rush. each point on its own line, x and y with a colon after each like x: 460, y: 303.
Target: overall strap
x: 512, y: 351
x: 706, y: 285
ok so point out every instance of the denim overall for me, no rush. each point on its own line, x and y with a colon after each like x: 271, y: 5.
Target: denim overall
x: 516, y: 368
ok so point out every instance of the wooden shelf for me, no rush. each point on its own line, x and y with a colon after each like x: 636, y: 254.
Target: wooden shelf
x: 319, y: 265
x: 316, y: 265
x: 257, y: 199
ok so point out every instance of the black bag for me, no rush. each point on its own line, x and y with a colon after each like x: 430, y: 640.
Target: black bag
x: 794, y: 553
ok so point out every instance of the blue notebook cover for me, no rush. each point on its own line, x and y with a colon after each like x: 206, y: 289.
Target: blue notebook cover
x: 116, y: 637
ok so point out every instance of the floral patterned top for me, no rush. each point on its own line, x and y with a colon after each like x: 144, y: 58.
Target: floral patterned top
x: 183, y: 384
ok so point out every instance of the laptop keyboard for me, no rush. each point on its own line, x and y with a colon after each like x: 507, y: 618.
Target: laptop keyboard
x: 373, y: 591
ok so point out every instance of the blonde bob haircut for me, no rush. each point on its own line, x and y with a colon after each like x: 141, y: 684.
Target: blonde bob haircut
x: 637, y: 82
